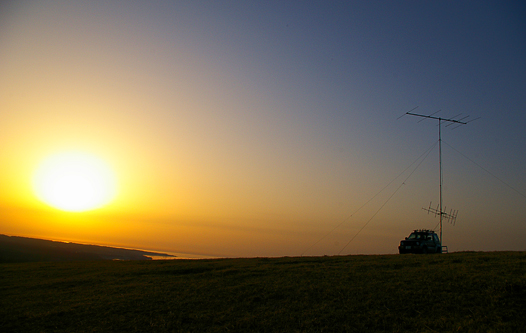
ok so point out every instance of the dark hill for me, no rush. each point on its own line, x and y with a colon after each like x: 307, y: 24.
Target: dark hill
x: 21, y: 249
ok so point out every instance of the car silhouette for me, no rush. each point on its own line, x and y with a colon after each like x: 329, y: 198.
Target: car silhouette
x: 421, y: 241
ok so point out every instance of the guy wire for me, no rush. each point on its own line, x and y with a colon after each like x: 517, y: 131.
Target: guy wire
x: 388, y: 199
x: 386, y: 186
x: 497, y: 178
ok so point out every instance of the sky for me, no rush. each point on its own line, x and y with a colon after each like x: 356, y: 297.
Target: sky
x: 268, y: 128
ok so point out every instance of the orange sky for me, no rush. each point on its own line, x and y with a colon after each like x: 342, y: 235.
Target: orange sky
x: 237, y: 131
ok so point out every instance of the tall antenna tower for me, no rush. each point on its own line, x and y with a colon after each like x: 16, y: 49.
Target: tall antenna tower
x: 440, y: 210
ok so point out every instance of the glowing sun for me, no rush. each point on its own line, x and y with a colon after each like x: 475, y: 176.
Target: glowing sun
x: 74, y: 181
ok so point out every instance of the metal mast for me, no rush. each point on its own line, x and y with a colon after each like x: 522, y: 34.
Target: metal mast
x: 439, y: 210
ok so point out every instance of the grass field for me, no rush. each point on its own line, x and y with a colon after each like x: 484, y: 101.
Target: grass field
x: 464, y: 292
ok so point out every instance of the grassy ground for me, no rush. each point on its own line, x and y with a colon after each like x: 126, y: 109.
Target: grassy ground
x: 465, y: 292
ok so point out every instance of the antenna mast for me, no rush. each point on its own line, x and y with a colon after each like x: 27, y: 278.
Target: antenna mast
x: 439, y: 210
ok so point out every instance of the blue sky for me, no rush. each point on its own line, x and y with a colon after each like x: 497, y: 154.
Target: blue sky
x: 266, y: 124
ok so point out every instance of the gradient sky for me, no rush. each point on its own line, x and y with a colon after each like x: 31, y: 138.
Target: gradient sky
x: 261, y: 128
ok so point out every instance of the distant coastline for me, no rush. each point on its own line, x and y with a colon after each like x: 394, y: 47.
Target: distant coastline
x: 23, y: 249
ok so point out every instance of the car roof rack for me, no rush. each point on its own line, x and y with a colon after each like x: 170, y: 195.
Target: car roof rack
x: 424, y: 230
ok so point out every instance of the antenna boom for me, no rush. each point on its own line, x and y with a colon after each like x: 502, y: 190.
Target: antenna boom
x: 437, y: 118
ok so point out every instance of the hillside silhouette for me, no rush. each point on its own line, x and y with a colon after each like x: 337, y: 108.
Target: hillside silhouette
x: 22, y: 249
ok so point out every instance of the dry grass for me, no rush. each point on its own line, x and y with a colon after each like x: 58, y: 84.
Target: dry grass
x: 465, y: 292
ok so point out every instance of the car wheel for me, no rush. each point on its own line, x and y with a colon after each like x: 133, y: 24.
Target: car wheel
x: 424, y: 250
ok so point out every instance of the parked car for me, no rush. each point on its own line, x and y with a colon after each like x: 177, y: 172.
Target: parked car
x: 421, y: 241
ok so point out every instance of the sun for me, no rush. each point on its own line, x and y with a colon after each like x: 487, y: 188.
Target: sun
x: 74, y: 181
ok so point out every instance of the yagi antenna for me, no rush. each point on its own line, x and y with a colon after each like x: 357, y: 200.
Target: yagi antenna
x: 450, y: 217
x: 440, y: 211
